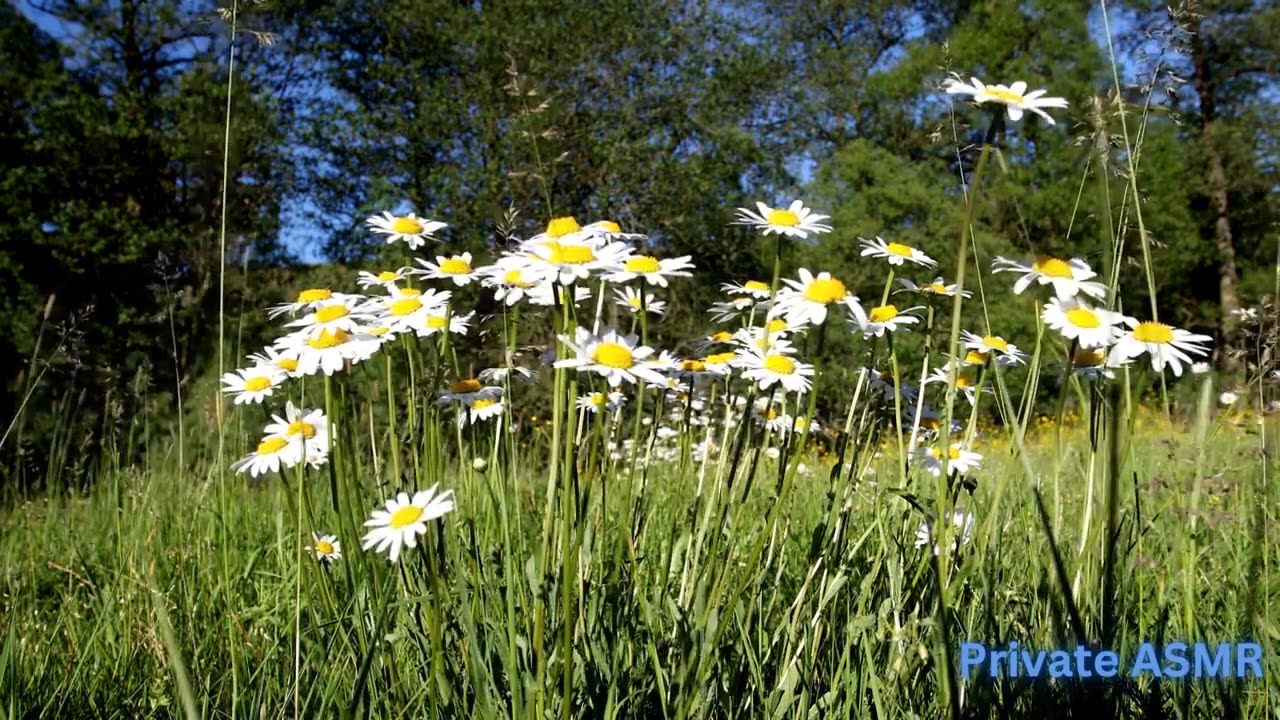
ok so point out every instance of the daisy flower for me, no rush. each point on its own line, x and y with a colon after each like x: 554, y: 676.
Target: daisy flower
x: 333, y: 316
x: 769, y: 368
x: 251, y: 385
x: 937, y: 287
x: 769, y: 337
x: 1200, y: 368
x: 500, y: 374
x: 308, y: 299
x: 384, y: 279
x: 1167, y: 346
x: 404, y: 519
x: 651, y: 269
x: 751, y: 288
x: 960, y: 519
x: 309, y: 427
x: 882, y: 381
x: 510, y: 282
x: 440, y: 319
x: 1068, y: 277
x: 271, y: 454
x: 959, y: 460
x: 270, y: 357
x: 409, y: 229
x: 326, y: 547
x: 795, y: 221
x: 455, y: 267
x: 1090, y: 327
x: 636, y: 300
x: 730, y: 310
x: 1006, y: 352
x: 609, y: 230
x: 895, y: 253
x: 570, y: 259
x: 1095, y: 364
x: 708, y: 342
x: 330, y: 351
x: 480, y: 409
x: 1228, y: 398
x: 799, y: 425
x: 772, y: 415
x: 1014, y: 97
x: 408, y: 309
x: 805, y: 301
x: 549, y: 293
x: 596, y: 401
x: 719, y: 363
x: 615, y: 357
x: 881, y: 319
x: 468, y: 390
x: 964, y: 383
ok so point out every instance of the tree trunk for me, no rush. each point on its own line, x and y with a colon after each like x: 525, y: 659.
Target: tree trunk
x: 1228, y: 275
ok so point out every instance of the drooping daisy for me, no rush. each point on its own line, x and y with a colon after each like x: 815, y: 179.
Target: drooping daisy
x: 384, y: 279
x: 609, y: 230
x: 636, y: 300
x: 651, y: 269
x: 959, y: 460
x: 335, y: 315
x: 962, y: 520
x: 286, y: 362
x: 882, y: 381
x: 1090, y: 327
x: 468, y: 390
x: 409, y: 229
x: 616, y: 357
x: 805, y: 301
x: 772, y: 415
x: 1095, y: 364
x: 404, y: 519
x: 795, y: 221
x: 769, y: 368
x: 964, y: 383
x: 271, y: 454
x: 456, y: 268
x: 326, y: 547
x: 720, y: 337
x: 719, y: 363
x: 500, y: 374
x: 1014, y: 97
x: 751, y: 288
x: 251, y: 385
x: 937, y: 287
x: 881, y: 319
x: 480, y: 409
x: 732, y: 309
x: 1167, y: 346
x: 895, y: 253
x: 1006, y: 352
x: 1068, y: 277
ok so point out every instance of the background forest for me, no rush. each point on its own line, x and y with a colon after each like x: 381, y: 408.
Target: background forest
x: 664, y: 115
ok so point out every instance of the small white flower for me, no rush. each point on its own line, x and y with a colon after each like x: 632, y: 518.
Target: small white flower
x: 1228, y: 398
x: 636, y: 300
x: 805, y: 301
x: 404, y: 519
x: 253, y: 384
x: 751, y: 288
x: 881, y: 319
x: 769, y: 368
x: 1090, y: 327
x: 326, y: 547
x: 651, y: 269
x: 937, y: 287
x: 1200, y: 368
x: 1167, y: 346
x: 596, y: 401
x: 456, y: 268
x: 959, y: 460
x: 409, y: 229
x: 468, y: 390
x: 960, y: 519
x: 480, y: 409
x: 895, y: 253
x: 1014, y: 97
x: 1006, y: 352
x: 614, y: 356
x: 795, y: 221
x: 385, y: 279
x: 1068, y: 277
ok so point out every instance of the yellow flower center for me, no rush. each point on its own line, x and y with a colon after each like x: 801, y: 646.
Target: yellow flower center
x: 722, y: 336
x: 772, y: 414
x: 436, y: 322
x: 613, y: 355
x: 465, y: 386
x: 405, y: 306
x: 570, y: 254
x: 1083, y: 318
x: 455, y: 266
x: 1052, y: 267
x: 609, y: 226
x: 324, y: 547
x: 780, y: 364
x: 785, y: 218
x: 883, y: 313
x: 410, y: 292
x: 378, y: 331
x: 693, y: 366
x: 271, y: 445
x: 483, y: 403
x: 328, y: 339
x: 314, y: 295
x: 755, y: 285
x: 404, y: 517
x: 514, y: 278
x: 929, y: 423
x: 899, y: 249
x: 643, y: 264
x: 561, y: 226
x: 824, y: 291
x: 776, y: 325
x: 1087, y: 358
x: 962, y: 382
x: 597, y: 398
x: 975, y: 357
x: 995, y: 342
x: 287, y: 364
x: 718, y: 358
x: 388, y: 276
x: 937, y: 288
x: 1008, y: 96
x: 305, y: 429
x: 1153, y: 332
x: 329, y: 313
x: 406, y: 226
x: 257, y: 384
x: 634, y: 302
